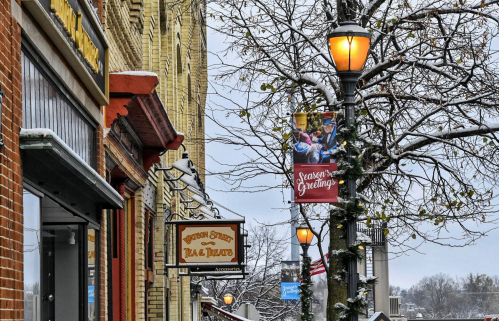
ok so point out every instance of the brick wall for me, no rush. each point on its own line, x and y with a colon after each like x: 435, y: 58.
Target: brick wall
x: 123, y: 25
x: 181, y: 27
x: 157, y: 292
x: 140, y: 281
x: 11, y: 219
x: 103, y: 277
x: 151, y: 39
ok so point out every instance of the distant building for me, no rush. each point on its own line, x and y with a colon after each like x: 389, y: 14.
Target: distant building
x: 376, y: 264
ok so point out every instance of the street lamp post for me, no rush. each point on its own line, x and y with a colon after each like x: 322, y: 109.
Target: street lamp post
x: 305, y: 237
x: 228, y: 298
x: 349, y: 45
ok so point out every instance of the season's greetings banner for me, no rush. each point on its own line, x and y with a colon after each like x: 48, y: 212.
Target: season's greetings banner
x: 314, y: 159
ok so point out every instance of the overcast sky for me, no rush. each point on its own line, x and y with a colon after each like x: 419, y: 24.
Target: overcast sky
x: 272, y: 207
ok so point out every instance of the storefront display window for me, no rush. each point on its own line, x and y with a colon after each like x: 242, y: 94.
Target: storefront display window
x: 45, y: 105
x: 31, y: 250
x: 61, y: 263
x: 91, y: 273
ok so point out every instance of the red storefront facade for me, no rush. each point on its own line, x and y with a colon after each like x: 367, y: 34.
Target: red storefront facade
x: 139, y: 131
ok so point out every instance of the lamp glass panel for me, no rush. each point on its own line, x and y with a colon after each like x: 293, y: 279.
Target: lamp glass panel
x: 305, y: 235
x: 228, y: 299
x: 339, y: 49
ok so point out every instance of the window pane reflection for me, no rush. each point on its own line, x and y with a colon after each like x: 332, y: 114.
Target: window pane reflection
x: 31, y: 249
x: 91, y: 273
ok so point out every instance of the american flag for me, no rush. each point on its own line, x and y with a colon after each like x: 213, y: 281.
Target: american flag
x: 317, y: 267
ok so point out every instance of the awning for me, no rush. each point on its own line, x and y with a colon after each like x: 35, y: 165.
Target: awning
x: 53, y: 167
x: 133, y: 95
x: 221, y: 314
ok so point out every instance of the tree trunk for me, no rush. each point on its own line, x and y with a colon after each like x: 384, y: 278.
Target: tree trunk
x: 336, y: 289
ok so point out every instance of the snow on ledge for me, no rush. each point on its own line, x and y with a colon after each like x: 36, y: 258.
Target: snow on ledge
x: 136, y: 73
x: 45, y: 132
x: 231, y: 315
x: 363, y: 238
x: 37, y: 132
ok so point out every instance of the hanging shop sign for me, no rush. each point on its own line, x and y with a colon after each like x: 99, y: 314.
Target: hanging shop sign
x: 74, y: 27
x: 314, y: 147
x: 290, y: 280
x: 220, y: 273
x: 209, y: 243
x: 217, y: 270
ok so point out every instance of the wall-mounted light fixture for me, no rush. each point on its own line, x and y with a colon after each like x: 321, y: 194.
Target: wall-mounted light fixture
x: 190, y: 180
x: 199, y: 199
x: 184, y: 164
x: 195, y: 198
x: 207, y: 210
x: 192, y: 207
x: 190, y: 177
x: 189, y: 173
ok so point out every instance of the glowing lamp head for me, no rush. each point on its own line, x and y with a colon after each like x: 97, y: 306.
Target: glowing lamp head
x: 349, y: 44
x: 228, y: 298
x: 304, y: 234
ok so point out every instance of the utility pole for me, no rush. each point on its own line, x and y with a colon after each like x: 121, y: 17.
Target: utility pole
x: 295, y: 245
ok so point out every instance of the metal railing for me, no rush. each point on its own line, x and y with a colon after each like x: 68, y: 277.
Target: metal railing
x: 445, y: 319
x: 376, y: 233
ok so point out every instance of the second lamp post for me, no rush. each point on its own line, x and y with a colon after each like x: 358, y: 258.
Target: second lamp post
x: 228, y: 298
x: 305, y: 237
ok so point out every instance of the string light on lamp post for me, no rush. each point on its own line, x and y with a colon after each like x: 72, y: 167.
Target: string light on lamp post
x: 305, y: 237
x: 349, y: 45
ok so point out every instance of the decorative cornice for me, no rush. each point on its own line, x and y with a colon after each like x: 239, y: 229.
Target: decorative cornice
x: 134, y: 97
x: 124, y: 161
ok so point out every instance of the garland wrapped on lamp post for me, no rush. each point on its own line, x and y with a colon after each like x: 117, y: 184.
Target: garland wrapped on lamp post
x: 305, y: 237
x: 349, y: 45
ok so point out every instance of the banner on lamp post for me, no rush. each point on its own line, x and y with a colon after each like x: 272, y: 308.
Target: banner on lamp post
x: 314, y: 146
x: 290, y: 280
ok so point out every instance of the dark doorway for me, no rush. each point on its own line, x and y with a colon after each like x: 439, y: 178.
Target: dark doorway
x: 61, y: 273
x: 48, y: 285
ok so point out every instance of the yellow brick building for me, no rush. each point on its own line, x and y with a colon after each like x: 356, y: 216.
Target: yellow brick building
x: 167, y: 38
